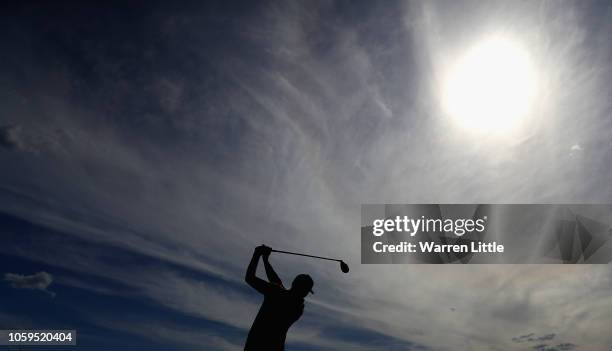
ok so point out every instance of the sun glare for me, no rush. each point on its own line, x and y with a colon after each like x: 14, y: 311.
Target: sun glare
x: 491, y: 87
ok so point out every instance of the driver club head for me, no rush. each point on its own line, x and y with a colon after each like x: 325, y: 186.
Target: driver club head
x: 344, y: 267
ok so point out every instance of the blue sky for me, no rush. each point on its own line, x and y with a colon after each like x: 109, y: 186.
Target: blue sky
x: 148, y: 147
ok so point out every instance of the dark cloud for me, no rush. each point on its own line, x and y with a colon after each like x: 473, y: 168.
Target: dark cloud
x: 561, y: 347
x: 9, y: 137
x: 540, y: 345
x: 37, y: 281
x: 546, y: 337
x: 531, y: 337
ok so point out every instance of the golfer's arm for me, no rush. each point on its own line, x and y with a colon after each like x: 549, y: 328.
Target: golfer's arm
x: 250, y: 277
x: 258, y: 284
x: 272, y: 276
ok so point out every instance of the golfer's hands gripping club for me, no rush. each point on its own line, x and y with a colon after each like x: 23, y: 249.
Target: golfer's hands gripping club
x: 263, y: 250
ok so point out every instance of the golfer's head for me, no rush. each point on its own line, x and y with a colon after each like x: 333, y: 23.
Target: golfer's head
x: 302, y: 285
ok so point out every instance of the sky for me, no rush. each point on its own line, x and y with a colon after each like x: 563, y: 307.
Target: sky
x: 147, y: 147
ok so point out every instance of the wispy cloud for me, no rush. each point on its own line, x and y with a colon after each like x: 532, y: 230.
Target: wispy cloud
x: 37, y: 281
x: 9, y: 137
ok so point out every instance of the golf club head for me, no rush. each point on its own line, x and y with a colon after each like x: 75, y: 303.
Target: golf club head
x: 344, y: 267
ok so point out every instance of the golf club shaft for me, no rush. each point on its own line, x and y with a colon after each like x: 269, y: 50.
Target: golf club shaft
x: 300, y: 254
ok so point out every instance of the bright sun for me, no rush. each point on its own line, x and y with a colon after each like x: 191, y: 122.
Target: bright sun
x: 491, y: 88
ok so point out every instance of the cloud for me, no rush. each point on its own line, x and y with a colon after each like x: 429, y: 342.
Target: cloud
x: 38, y: 281
x: 576, y: 147
x: 576, y: 150
x: 170, y: 94
x: 531, y: 337
x: 10, y: 137
x: 539, y: 345
x: 35, y: 139
x: 175, y: 334
x: 559, y: 347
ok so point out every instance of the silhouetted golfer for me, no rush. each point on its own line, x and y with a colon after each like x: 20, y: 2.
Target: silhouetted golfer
x: 280, y: 308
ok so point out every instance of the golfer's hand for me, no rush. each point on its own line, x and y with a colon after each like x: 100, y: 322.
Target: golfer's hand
x: 263, y: 250
x: 266, y: 252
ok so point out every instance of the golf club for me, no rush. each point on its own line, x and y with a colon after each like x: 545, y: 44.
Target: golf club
x: 343, y: 266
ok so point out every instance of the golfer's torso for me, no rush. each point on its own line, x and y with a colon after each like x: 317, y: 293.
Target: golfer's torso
x: 276, y: 314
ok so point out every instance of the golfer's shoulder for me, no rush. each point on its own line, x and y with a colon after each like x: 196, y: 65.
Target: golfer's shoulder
x: 276, y: 290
